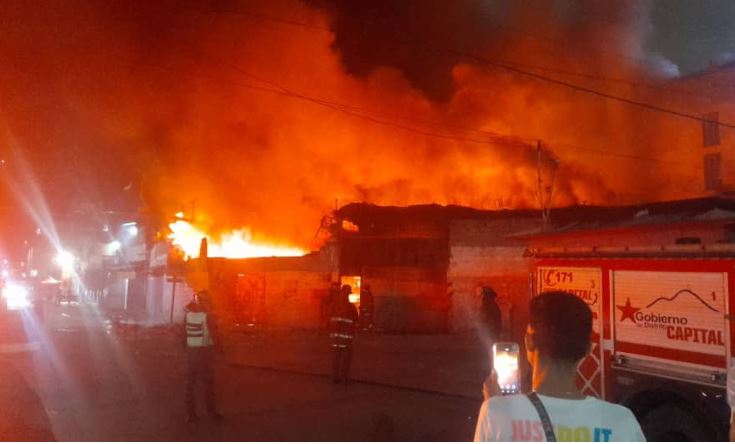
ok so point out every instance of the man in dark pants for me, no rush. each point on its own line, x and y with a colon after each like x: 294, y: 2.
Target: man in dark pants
x: 367, y: 306
x: 201, y: 339
x: 342, y: 330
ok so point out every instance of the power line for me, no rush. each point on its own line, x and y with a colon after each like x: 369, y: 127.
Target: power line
x: 346, y: 110
x: 644, y: 105
x: 629, y: 82
x: 511, y: 68
x: 518, y: 140
x: 355, y: 110
x: 484, y: 137
x: 494, y: 137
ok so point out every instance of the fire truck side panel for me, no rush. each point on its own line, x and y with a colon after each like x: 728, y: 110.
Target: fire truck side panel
x: 671, y: 315
x: 665, y: 357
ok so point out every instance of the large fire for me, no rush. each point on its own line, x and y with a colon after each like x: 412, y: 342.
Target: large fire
x: 237, y: 244
x: 264, y: 112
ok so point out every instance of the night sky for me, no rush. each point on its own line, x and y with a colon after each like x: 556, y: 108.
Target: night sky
x: 693, y: 33
x: 690, y: 34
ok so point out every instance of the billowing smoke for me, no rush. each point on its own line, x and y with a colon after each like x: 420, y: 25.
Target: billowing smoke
x: 266, y: 114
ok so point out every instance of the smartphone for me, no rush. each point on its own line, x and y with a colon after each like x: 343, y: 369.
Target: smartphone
x: 505, y: 363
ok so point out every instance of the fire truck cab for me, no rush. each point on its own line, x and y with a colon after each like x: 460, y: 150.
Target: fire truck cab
x: 659, y: 293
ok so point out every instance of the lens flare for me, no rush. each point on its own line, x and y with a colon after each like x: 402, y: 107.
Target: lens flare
x: 16, y: 296
x: 65, y: 260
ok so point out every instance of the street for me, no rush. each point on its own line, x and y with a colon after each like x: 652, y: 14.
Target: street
x: 96, y: 385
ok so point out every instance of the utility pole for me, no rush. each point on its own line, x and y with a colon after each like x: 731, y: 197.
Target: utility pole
x: 545, y: 193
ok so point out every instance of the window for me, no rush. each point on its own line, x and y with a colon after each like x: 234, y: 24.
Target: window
x: 711, y: 129
x: 712, y: 172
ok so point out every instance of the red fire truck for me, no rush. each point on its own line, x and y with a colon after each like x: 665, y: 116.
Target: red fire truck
x: 662, y: 344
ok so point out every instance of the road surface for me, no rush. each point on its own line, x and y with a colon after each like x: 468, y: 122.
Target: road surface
x: 95, y: 385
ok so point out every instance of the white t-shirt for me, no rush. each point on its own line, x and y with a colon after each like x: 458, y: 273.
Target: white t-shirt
x: 514, y: 418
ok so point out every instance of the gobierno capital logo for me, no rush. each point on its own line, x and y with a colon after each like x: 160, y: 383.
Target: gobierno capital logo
x: 676, y: 325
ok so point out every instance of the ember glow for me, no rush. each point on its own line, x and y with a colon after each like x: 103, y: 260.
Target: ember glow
x: 235, y: 245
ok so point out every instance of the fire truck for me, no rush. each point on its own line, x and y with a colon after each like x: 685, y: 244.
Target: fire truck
x: 661, y: 341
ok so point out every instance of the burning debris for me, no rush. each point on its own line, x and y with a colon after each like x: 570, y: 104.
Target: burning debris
x: 237, y: 244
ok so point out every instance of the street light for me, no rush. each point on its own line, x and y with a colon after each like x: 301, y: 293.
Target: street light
x: 112, y: 248
x: 131, y: 228
x: 16, y: 296
x: 65, y: 260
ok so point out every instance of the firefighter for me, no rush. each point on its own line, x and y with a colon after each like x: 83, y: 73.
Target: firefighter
x: 201, y: 341
x: 367, y: 306
x: 342, y: 330
x: 490, y: 314
x: 327, y: 304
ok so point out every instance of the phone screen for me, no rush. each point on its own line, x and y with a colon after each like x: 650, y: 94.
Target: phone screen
x: 505, y: 363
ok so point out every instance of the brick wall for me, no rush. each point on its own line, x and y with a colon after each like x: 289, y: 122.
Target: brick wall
x: 275, y: 292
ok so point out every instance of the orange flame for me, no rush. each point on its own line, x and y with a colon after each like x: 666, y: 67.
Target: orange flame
x: 237, y: 244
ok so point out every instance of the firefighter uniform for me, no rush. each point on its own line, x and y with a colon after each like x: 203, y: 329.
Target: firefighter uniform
x: 342, y: 331
x: 200, y: 343
x: 367, y: 306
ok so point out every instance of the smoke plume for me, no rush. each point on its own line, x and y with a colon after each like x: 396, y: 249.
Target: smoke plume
x: 264, y: 114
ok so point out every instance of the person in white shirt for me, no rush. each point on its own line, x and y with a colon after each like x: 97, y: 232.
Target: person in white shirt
x: 557, y: 339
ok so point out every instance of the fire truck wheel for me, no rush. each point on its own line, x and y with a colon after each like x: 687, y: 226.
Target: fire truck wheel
x: 672, y: 423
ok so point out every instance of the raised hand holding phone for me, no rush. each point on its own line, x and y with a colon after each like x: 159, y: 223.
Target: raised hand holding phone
x: 506, y: 368
x: 490, y: 386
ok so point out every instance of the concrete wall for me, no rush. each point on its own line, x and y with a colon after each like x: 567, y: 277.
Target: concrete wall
x: 407, y: 276
x: 273, y: 298
x: 483, y: 252
x: 275, y: 292
x: 290, y: 292
x: 408, y: 299
x: 293, y: 298
x: 502, y: 268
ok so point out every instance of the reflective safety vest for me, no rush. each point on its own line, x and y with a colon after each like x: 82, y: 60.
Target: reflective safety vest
x: 197, y: 331
x: 342, y: 331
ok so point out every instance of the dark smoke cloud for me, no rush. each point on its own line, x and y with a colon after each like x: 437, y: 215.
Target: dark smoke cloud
x: 164, y: 100
x: 408, y: 34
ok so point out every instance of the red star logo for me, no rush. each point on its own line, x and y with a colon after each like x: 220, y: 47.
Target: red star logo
x: 628, y: 311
